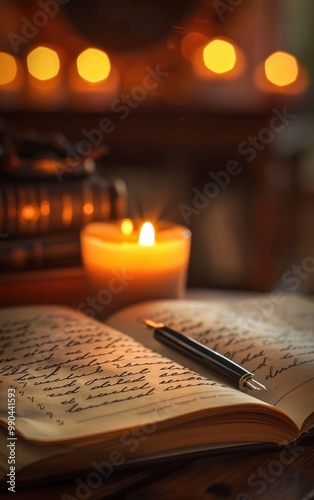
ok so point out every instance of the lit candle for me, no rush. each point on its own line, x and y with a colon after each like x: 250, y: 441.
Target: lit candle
x: 127, y: 262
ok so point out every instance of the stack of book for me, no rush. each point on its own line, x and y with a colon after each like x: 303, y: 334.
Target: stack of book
x: 47, y: 194
x: 40, y: 222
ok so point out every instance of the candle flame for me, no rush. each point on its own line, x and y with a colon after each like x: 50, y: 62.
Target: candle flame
x: 147, y: 235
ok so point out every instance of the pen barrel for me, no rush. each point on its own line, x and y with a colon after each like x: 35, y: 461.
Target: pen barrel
x: 216, y: 362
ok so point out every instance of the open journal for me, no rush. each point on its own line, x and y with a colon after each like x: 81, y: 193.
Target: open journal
x: 76, y: 393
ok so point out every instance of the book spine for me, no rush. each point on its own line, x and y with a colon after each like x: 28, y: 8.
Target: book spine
x: 31, y: 209
x: 57, y: 250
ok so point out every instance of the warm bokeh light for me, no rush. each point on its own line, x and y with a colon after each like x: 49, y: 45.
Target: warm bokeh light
x: 29, y: 213
x: 88, y: 208
x: 191, y: 42
x: 281, y: 68
x: 127, y: 227
x: 43, y: 63
x: 45, y: 208
x: 93, y: 65
x: 219, y: 56
x: 8, y: 68
x: 147, y: 235
x: 281, y: 73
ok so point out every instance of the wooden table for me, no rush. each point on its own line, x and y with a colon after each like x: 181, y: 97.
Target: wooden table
x: 234, y: 476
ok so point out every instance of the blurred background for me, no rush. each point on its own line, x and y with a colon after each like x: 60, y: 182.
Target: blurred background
x: 201, y: 111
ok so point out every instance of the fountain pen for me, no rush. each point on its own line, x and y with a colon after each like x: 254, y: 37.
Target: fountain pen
x: 236, y: 374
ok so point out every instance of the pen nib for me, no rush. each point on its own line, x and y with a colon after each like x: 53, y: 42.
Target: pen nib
x: 152, y: 324
x: 253, y: 385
